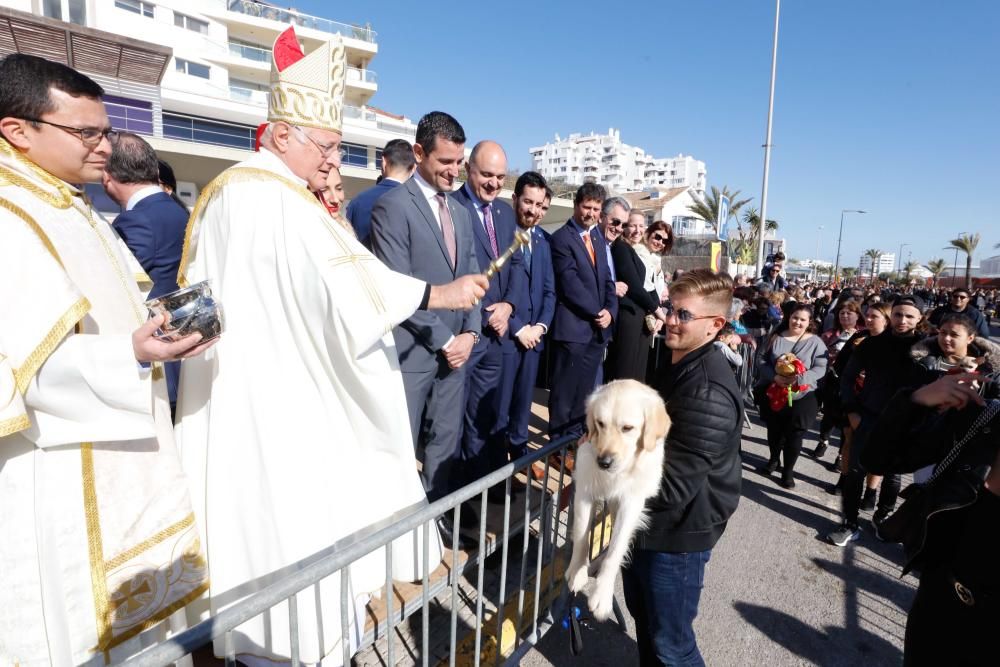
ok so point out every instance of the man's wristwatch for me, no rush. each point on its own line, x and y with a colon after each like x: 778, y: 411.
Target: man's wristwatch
x: 475, y: 336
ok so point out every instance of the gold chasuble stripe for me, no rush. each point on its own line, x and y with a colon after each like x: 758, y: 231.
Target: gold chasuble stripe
x: 65, y: 324
x: 95, y: 547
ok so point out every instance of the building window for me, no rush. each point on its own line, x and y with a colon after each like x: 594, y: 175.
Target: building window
x: 208, y: 131
x: 136, y: 7
x: 189, y: 23
x: 192, y: 69
x: 355, y: 155
x: 57, y: 9
x: 129, y: 114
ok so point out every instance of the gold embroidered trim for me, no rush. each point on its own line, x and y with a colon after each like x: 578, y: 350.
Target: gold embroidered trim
x: 35, y: 227
x: 367, y: 283
x: 13, y: 425
x: 140, y: 316
x: 232, y: 175
x: 62, y: 199
x: 23, y: 375
x: 146, y: 545
x: 95, y: 546
x: 160, y: 615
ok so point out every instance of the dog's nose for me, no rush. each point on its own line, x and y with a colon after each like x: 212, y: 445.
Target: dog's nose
x: 605, y: 462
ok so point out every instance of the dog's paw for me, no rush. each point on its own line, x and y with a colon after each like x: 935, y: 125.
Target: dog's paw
x: 601, y: 603
x: 576, y: 578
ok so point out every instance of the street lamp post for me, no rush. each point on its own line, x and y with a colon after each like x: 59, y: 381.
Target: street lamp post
x: 767, y: 143
x: 899, y: 257
x: 816, y: 258
x: 840, y: 236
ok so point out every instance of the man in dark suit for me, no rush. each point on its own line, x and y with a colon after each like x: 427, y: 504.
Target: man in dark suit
x: 419, y: 230
x: 586, y: 306
x: 397, y: 165
x: 534, y: 307
x: 151, y: 224
x: 493, y: 225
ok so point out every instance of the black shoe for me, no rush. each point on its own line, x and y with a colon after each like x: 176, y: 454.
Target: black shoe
x: 843, y: 534
x: 868, y: 501
x: 835, y: 466
x: 881, y: 514
x: 820, y: 449
x: 787, y: 482
x: 768, y: 468
x: 447, y: 532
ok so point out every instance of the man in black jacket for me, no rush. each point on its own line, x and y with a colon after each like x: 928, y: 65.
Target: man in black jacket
x: 701, y: 474
x: 960, y: 304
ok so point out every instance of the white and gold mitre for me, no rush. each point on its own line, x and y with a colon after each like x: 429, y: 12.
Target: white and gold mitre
x: 307, y: 90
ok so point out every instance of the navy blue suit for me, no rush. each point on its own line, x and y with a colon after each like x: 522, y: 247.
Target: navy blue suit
x: 359, y: 211
x: 482, y: 439
x: 154, y: 231
x: 536, y: 304
x: 583, y: 289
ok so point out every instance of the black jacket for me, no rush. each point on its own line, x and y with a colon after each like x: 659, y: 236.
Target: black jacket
x: 888, y: 367
x: 907, y: 437
x: 701, y: 469
x: 982, y: 326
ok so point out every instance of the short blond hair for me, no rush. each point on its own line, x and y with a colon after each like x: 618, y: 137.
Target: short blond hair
x: 715, y: 288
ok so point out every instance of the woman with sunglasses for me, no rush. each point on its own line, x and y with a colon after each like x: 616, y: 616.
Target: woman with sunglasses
x: 787, y: 425
x: 639, y: 313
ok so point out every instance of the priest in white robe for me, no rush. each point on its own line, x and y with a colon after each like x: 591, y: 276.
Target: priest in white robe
x: 98, y: 542
x: 294, y: 429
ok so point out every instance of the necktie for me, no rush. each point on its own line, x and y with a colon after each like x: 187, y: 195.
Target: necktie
x: 590, y: 247
x: 490, y: 229
x: 527, y: 256
x: 447, y: 227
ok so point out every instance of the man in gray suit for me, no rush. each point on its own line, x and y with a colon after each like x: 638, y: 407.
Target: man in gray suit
x: 418, y: 230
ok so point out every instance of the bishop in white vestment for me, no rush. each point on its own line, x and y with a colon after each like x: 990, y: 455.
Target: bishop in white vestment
x: 293, y: 429
x: 98, y: 540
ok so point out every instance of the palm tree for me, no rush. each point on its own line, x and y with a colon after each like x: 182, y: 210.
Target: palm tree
x: 966, y: 243
x: 909, y: 268
x: 708, y: 208
x: 849, y: 273
x: 937, y: 267
x: 874, y: 255
x: 744, y: 246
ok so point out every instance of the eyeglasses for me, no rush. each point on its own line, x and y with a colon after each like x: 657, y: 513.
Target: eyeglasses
x: 661, y: 239
x: 685, y: 316
x: 325, y: 151
x: 963, y: 297
x: 90, y: 136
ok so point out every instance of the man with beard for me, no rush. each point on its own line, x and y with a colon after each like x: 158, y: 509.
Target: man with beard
x: 533, y: 309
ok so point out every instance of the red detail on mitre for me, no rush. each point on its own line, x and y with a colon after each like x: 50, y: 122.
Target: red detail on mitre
x: 286, y: 50
x: 260, y: 133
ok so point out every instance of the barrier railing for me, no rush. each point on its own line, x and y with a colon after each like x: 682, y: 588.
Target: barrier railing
x: 544, y: 514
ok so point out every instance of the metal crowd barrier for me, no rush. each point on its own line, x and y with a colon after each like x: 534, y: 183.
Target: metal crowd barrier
x: 550, y: 516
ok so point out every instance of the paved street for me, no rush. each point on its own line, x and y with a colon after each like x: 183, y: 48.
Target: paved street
x: 776, y: 593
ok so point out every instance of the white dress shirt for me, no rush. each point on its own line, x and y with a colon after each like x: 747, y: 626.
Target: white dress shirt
x: 139, y: 195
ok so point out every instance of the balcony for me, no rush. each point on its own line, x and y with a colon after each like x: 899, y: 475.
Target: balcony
x: 356, y: 75
x: 248, y: 96
x: 265, y: 11
x: 250, y: 53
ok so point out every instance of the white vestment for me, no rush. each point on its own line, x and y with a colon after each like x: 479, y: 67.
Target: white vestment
x: 98, y: 541
x: 293, y: 429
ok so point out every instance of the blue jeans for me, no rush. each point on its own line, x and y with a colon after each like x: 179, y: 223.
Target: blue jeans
x: 662, y: 591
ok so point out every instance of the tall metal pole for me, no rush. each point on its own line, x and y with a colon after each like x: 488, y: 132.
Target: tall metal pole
x: 899, y: 258
x: 767, y: 143
x: 840, y: 236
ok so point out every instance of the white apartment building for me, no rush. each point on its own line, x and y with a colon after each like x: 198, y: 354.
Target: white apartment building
x: 196, y: 84
x: 604, y: 159
x: 886, y: 264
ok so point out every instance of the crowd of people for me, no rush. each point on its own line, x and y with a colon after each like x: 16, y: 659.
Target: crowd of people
x: 138, y: 473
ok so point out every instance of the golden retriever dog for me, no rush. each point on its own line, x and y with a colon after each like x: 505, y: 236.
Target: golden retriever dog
x: 620, y: 464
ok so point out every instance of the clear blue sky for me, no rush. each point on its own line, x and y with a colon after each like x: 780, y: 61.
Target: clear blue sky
x: 889, y: 105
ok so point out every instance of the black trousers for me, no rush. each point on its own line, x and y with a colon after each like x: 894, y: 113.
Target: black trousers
x: 628, y: 352
x: 787, y: 427
x: 854, y: 481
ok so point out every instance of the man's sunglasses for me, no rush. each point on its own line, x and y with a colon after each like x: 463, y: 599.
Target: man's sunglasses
x: 684, y: 316
x: 615, y: 222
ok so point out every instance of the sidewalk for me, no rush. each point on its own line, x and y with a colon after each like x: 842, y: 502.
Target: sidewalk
x: 776, y: 593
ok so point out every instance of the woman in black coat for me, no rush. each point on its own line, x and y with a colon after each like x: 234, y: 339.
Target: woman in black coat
x: 956, y: 541
x: 629, y: 349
